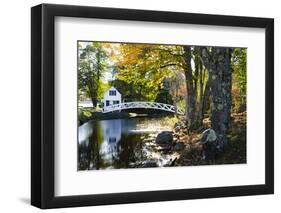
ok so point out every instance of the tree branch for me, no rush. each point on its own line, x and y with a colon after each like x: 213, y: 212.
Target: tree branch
x: 169, y: 65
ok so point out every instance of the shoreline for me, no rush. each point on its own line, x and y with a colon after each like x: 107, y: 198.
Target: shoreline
x: 115, y: 115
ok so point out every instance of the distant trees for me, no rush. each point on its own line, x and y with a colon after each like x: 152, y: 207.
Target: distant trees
x: 164, y: 95
x: 92, y: 64
x: 239, y: 86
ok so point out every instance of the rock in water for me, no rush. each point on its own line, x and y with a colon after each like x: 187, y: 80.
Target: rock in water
x: 149, y: 163
x: 178, y: 127
x: 164, y: 138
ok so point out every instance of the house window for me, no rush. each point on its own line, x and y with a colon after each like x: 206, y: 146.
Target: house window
x: 112, y: 140
x: 112, y: 92
x: 107, y: 103
x: 115, y: 102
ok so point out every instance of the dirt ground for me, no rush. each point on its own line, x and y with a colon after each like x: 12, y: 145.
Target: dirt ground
x: 235, y: 150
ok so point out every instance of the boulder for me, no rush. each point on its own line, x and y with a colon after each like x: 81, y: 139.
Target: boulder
x: 242, y: 108
x: 171, y: 162
x: 208, y: 136
x: 149, y: 163
x: 177, y: 127
x: 164, y: 138
x: 210, y: 141
x: 179, y: 146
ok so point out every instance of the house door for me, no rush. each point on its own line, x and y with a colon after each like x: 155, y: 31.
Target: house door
x: 107, y: 103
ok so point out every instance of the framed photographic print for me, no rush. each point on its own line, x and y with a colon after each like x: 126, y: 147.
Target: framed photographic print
x: 140, y: 106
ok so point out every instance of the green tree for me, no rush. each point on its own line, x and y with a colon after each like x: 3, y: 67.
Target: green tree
x: 239, y: 67
x: 91, y: 66
x: 145, y: 68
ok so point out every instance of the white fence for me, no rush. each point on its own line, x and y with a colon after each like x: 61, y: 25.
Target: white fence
x: 85, y: 104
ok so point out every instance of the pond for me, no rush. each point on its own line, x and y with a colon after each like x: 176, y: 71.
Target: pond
x: 121, y: 143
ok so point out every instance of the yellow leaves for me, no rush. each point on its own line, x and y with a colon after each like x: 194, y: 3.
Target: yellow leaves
x: 130, y: 54
x: 129, y: 58
x: 235, y: 94
x: 107, y: 45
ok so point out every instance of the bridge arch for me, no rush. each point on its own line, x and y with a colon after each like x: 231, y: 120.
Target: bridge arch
x: 142, y: 105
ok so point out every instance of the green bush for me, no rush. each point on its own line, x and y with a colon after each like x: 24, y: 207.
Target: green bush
x: 84, y: 115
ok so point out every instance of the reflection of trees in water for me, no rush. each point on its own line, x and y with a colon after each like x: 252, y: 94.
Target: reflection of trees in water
x: 130, y: 150
x: 119, y: 155
x: 83, y: 156
x: 112, y: 144
x: 88, y: 151
x: 86, y: 154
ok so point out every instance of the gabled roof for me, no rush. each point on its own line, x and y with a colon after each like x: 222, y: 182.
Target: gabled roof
x: 112, y: 88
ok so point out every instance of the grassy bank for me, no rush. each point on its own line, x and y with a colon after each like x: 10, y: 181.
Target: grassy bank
x: 87, y: 114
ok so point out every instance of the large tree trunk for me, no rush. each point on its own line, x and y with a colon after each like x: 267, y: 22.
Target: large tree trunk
x: 98, y: 74
x: 204, y: 94
x: 217, y: 62
x: 206, y: 98
x: 200, y: 74
x: 191, y: 96
x: 92, y: 94
x: 201, y: 97
x: 94, y: 80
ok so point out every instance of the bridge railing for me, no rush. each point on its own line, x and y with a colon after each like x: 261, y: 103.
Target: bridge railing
x: 142, y: 104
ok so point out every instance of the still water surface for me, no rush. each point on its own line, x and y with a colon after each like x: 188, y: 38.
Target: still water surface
x: 120, y: 143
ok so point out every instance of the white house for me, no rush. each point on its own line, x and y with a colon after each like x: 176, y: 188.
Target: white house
x: 110, y: 97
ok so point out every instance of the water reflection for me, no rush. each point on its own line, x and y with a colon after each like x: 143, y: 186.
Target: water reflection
x: 116, y: 143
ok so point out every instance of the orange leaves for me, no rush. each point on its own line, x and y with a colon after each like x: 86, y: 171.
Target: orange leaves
x: 131, y: 53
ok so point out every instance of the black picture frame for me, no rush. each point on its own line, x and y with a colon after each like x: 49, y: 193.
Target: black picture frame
x: 43, y: 102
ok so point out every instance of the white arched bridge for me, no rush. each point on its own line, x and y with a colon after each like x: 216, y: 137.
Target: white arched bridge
x: 143, y: 105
